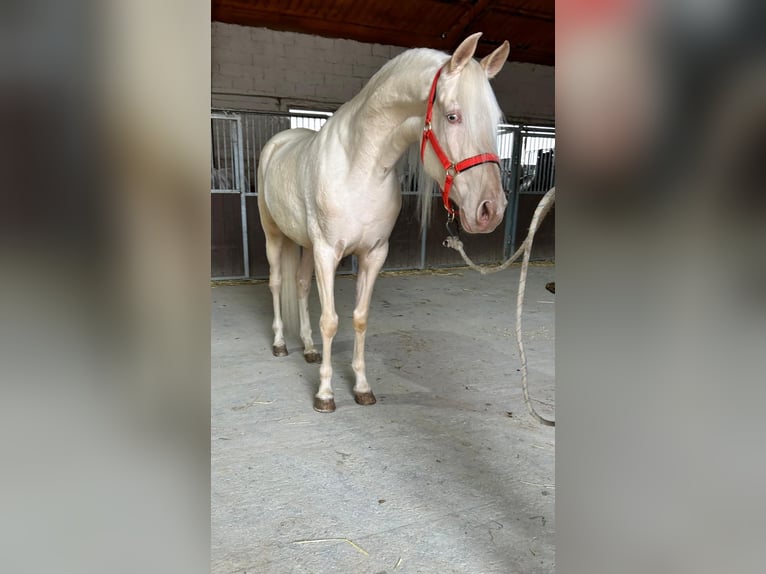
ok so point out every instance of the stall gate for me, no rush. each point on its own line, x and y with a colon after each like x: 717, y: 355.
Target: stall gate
x: 237, y: 240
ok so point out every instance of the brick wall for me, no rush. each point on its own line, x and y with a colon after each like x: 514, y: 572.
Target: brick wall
x: 264, y: 70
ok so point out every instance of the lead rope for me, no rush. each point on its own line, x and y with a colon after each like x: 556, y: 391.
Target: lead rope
x: 526, y: 248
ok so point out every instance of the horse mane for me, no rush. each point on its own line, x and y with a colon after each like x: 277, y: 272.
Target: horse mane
x: 414, y: 177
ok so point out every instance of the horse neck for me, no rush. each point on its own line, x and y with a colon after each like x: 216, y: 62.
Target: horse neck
x: 387, y: 115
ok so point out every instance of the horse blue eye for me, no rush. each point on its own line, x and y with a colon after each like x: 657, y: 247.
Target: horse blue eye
x: 453, y: 118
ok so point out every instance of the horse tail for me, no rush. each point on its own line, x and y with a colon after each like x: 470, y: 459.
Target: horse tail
x: 288, y: 297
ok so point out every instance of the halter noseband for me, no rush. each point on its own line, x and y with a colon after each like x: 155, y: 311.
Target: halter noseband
x: 451, y: 169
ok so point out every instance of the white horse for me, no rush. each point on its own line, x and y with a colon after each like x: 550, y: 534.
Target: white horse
x: 334, y: 192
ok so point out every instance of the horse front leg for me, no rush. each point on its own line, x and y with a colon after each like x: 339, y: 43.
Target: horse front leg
x: 326, y: 261
x: 305, y: 271
x: 370, y: 264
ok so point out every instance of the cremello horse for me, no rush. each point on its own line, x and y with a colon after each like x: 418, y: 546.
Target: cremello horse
x: 335, y: 192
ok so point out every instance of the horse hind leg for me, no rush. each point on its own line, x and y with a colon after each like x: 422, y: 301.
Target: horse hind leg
x: 305, y: 271
x: 282, y: 254
x: 370, y: 264
x: 275, y: 242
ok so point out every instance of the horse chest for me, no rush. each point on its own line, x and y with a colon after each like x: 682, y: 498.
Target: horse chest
x: 360, y: 207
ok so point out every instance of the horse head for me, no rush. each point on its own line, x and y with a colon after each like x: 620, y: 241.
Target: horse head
x: 462, y: 119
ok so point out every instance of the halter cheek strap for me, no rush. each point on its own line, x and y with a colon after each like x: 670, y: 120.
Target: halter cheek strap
x: 451, y: 169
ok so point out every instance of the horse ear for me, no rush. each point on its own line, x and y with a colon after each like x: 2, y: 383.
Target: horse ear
x: 493, y: 63
x: 464, y: 53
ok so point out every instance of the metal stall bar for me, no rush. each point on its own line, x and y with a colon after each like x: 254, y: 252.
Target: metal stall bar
x: 222, y: 161
x: 511, y: 179
x: 527, y: 166
x: 535, y: 170
x: 241, y: 186
x: 248, y: 155
x: 226, y: 170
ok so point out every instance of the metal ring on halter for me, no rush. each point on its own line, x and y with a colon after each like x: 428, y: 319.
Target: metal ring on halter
x: 427, y: 127
x: 450, y: 220
x: 452, y: 170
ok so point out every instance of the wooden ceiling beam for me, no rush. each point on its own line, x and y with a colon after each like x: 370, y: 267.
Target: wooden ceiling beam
x: 459, y: 30
x: 327, y: 28
x: 443, y: 34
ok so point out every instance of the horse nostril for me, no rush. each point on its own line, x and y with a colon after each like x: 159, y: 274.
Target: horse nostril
x: 485, y: 212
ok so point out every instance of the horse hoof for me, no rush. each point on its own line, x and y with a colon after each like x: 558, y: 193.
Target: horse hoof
x: 312, y: 357
x: 279, y: 350
x: 324, y: 405
x: 365, y: 398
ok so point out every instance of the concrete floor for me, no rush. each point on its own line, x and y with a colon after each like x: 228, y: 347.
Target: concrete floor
x: 434, y: 478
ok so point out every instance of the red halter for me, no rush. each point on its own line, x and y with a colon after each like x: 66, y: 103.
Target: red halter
x: 452, y: 169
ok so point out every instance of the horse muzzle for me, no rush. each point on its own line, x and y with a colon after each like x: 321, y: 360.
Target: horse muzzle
x: 486, y: 218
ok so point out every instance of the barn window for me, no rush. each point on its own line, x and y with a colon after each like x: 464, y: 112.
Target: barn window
x: 311, y: 119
